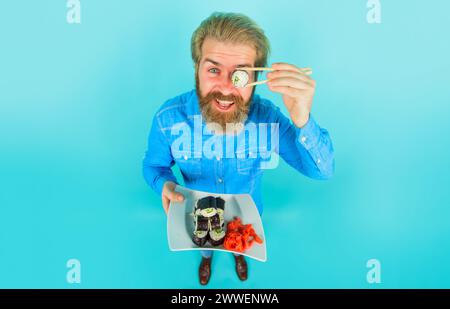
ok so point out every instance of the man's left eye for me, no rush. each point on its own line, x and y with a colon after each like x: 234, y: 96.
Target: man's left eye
x: 213, y: 70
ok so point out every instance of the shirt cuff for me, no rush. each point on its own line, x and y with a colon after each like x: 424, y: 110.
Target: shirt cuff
x: 308, y: 136
x: 160, y: 183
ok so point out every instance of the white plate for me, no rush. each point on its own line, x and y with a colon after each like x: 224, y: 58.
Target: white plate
x: 180, y: 221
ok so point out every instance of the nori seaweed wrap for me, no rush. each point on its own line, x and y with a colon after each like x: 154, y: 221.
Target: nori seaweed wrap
x: 209, y: 221
x: 206, y: 207
x: 215, y: 222
x: 201, y: 224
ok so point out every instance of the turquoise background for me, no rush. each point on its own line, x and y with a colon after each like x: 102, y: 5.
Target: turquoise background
x: 76, y: 103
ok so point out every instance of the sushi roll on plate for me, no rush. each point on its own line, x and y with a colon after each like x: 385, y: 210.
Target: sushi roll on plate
x: 201, y: 230
x: 200, y: 238
x: 181, y: 223
x: 206, y: 207
x: 201, y: 223
x: 215, y: 222
x: 216, y: 237
x: 220, y: 206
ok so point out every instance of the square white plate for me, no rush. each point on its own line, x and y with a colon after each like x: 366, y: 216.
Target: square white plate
x: 180, y: 221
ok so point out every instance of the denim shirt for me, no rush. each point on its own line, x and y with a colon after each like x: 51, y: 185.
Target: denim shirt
x: 226, y: 163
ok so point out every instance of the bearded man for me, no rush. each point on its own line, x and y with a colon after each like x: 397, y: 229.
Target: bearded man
x: 222, y: 44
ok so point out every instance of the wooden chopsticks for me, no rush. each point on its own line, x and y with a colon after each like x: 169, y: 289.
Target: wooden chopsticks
x: 306, y: 71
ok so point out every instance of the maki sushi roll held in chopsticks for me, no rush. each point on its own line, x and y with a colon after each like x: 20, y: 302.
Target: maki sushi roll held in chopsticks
x: 239, y: 78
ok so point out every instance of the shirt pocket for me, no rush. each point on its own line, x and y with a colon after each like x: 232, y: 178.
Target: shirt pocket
x: 189, y: 162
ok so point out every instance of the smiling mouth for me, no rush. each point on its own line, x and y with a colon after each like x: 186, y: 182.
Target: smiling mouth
x: 223, y: 105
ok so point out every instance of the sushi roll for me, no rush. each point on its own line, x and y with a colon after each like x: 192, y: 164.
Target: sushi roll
x: 215, y: 222
x: 201, y: 224
x: 200, y: 238
x: 206, y: 207
x: 201, y: 231
x: 201, y: 204
x: 209, y: 221
x: 220, y: 206
x: 216, y: 237
x: 239, y: 78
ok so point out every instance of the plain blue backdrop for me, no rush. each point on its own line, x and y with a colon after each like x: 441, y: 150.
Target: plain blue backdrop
x: 76, y: 104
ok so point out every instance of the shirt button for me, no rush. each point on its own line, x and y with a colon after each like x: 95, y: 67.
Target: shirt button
x: 220, y: 180
x: 303, y: 139
x: 318, y: 161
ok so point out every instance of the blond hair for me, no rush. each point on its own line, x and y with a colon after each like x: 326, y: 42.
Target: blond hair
x: 234, y: 28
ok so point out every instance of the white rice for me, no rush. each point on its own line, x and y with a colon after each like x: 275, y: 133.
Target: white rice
x: 239, y: 78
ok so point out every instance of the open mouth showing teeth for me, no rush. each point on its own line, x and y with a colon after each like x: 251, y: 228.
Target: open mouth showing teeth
x: 224, y: 105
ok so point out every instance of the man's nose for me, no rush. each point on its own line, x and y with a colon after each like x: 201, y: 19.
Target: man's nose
x: 226, y: 85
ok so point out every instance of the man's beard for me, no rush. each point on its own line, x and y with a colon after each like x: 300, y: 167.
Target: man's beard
x: 210, y: 113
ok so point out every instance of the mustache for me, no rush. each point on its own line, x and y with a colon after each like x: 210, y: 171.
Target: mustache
x: 218, y: 95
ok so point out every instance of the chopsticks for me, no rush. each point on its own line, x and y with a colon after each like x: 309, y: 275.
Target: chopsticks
x: 306, y: 71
